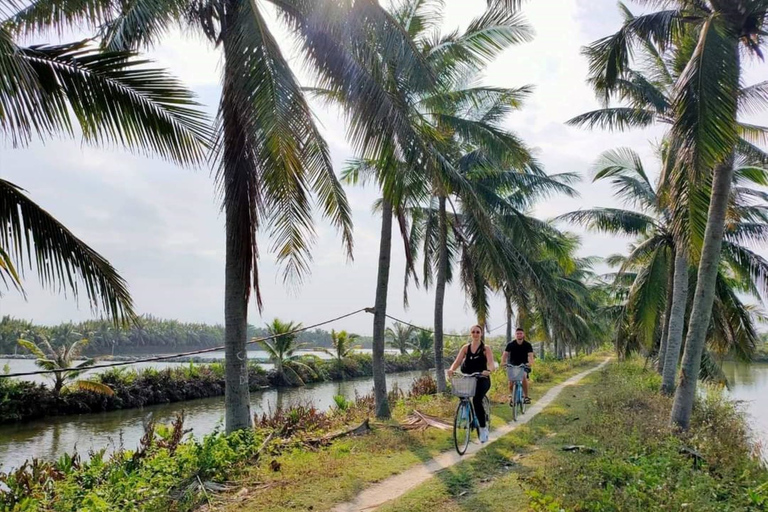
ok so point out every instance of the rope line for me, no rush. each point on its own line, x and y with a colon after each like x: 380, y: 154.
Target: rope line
x: 214, y: 349
x: 182, y: 354
x: 498, y: 327
x: 423, y: 328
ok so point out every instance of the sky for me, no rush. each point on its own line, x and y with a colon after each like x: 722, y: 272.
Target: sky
x: 161, y: 226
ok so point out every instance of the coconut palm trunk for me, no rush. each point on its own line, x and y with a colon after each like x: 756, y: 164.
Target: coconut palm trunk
x: 703, y: 297
x: 237, y: 284
x: 440, y: 281
x: 380, y: 311
x: 667, y: 314
x: 676, y: 321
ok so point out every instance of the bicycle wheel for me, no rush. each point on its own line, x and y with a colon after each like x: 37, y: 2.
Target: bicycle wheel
x: 487, y: 407
x: 462, y: 426
x: 514, y: 401
x: 519, y: 400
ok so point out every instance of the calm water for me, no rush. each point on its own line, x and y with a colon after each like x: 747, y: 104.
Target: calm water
x: 51, y: 437
x: 749, y: 383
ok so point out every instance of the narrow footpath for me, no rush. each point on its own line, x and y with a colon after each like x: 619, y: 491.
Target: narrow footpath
x: 397, y: 485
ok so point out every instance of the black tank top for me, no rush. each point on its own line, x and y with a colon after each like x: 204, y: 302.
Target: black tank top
x: 475, y: 363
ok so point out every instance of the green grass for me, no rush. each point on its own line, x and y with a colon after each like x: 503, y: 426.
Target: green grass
x: 637, y: 464
x: 318, y: 480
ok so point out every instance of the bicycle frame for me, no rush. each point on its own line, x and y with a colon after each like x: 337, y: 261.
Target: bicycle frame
x: 517, y: 393
x: 466, y: 419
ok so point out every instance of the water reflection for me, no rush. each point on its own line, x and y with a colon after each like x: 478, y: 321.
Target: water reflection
x: 749, y: 384
x: 49, y: 438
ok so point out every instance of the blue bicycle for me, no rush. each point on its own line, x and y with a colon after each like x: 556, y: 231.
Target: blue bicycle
x: 515, y: 374
x: 464, y: 386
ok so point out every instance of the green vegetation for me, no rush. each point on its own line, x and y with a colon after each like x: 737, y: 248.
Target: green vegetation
x: 24, y: 401
x: 625, y: 458
x: 696, y: 87
x: 400, y: 336
x: 70, y: 345
x: 295, y: 469
x: 342, y: 345
x: 149, y: 335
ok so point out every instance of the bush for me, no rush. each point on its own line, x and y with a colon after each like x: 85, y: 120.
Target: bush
x: 640, y: 463
x: 155, y: 477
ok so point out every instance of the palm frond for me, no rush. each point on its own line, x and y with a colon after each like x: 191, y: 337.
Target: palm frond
x: 113, y: 97
x: 33, y: 348
x: 271, y: 153
x: 611, y: 220
x: 60, y: 258
x: 754, y: 99
x: 615, y: 118
x: 93, y: 387
x: 8, y: 271
x: 706, y: 100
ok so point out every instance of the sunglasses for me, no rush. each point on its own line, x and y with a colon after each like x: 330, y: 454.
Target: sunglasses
x: 476, y: 332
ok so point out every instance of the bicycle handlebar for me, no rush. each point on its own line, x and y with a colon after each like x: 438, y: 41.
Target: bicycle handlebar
x: 475, y: 375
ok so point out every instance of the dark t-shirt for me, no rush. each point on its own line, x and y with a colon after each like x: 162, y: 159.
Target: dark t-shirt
x: 518, y: 352
x: 475, y: 362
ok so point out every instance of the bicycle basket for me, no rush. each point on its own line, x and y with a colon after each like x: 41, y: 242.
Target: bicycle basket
x: 515, y: 373
x: 463, y: 386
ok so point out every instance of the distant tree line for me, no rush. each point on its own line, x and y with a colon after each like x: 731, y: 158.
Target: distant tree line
x: 150, y: 335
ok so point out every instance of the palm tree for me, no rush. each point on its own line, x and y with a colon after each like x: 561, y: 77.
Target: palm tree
x: 59, y: 353
x: 281, y: 350
x: 400, y: 336
x: 705, y: 130
x: 423, y: 345
x: 405, y: 180
x: 646, y: 273
x: 269, y: 153
x: 342, y: 345
x: 113, y: 98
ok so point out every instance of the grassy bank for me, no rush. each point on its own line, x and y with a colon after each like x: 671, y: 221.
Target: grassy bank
x: 628, y: 459
x: 295, y: 470
x: 24, y: 401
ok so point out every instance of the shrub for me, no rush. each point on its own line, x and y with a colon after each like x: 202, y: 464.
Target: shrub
x: 23, y: 401
x: 425, y: 385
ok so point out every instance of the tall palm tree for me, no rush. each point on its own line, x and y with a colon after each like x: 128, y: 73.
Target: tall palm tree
x: 59, y: 353
x: 269, y: 153
x: 112, y: 97
x: 646, y: 273
x: 400, y: 336
x: 406, y: 181
x: 705, y: 128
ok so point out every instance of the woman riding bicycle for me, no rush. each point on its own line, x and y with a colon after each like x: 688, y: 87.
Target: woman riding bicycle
x: 476, y: 357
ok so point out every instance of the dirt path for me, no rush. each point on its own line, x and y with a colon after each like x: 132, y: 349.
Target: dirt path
x: 397, y: 485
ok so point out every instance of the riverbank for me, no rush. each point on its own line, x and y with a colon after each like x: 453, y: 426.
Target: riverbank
x: 181, y: 476
x: 24, y: 401
x: 607, y: 447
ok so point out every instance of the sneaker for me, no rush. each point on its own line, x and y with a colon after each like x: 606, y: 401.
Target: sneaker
x: 483, y: 434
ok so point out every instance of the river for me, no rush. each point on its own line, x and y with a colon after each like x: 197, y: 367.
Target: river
x: 50, y: 437
x: 749, y: 384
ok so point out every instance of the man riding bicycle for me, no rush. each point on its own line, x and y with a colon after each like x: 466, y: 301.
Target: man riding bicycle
x: 519, y: 352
